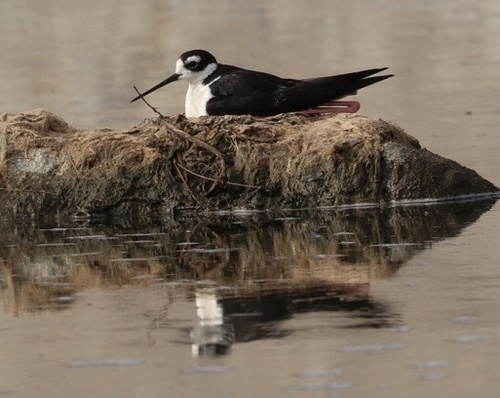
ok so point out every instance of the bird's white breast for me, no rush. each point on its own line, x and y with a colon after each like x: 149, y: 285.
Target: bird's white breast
x: 196, y: 99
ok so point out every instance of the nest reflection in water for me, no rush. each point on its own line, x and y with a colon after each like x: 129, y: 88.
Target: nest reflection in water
x: 249, y: 255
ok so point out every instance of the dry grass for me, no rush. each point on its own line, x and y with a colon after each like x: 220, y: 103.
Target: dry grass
x: 283, y: 161
x: 303, y: 136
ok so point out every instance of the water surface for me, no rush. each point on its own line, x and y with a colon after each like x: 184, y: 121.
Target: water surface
x: 303, y: 302
x: 380, y: 302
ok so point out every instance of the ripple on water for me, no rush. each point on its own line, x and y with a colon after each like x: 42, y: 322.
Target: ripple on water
x: 316, y: 373
x: 133, y: 259
x: 323, y: 256
x: 336, y: 385
x: 139, y: 234
x: 104, y: 363
x: 434, y: 377
x: 141, y: 242
x: 401, y: 244
x: 465, y: 319
x: 208, y: 369
x: 84, y: 254
x: 90, y: 237
x: 62, y: 299
x: 432, y: 364
x: 398, y: 329
x: 470, y: 338
x: 212, y: 251
x: 371, y: 347
x: 58, y: 244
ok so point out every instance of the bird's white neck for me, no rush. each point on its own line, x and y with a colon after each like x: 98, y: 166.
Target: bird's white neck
x: 197, y: 98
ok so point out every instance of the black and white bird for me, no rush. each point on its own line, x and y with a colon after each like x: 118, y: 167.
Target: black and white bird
x: 219, y: 89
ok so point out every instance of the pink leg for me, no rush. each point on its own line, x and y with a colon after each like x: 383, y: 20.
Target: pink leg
x: 334, y: 107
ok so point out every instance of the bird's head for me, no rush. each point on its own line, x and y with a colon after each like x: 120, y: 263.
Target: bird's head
x: 193, y: 66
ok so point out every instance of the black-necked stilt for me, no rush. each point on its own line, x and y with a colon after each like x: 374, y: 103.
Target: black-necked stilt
x: 219, y: 89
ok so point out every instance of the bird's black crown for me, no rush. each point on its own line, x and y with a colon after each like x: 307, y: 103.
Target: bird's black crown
x: 197, y: 60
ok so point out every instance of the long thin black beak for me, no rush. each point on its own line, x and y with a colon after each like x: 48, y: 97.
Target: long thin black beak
x: 168, y: 80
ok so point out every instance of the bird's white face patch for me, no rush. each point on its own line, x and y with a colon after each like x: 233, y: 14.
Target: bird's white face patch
x: 193, y: 76
x: 193, y: 58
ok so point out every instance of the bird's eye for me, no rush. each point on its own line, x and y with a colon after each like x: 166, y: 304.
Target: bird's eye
x: 192, y: 64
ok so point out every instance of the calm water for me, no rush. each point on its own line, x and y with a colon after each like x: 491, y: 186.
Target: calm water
x: 381, y: 302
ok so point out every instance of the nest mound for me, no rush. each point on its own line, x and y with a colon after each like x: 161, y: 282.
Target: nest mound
x: 49, y: 167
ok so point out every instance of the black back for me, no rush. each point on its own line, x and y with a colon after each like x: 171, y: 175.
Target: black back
x: 240, y: 91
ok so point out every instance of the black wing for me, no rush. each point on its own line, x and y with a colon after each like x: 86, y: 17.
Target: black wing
x: 240, y: 92
x: 313, y: 92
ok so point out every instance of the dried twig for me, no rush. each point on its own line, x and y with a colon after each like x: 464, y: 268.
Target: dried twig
x: 196, y: 141
x: 147, y: 103
x: 178, y: 168
x: 236, y: 184
x: 222, y: 178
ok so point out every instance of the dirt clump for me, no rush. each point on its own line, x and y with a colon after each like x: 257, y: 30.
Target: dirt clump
x: 50, y: 167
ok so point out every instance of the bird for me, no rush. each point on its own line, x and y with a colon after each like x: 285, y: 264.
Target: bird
x: 220, y: 89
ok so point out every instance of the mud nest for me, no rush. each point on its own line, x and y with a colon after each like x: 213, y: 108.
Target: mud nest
x: 291, y: 160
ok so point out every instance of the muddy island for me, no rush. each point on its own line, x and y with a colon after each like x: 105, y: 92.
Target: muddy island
x: 288, y: 161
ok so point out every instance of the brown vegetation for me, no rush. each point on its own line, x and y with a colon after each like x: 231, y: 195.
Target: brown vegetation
x: 49, y: 167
